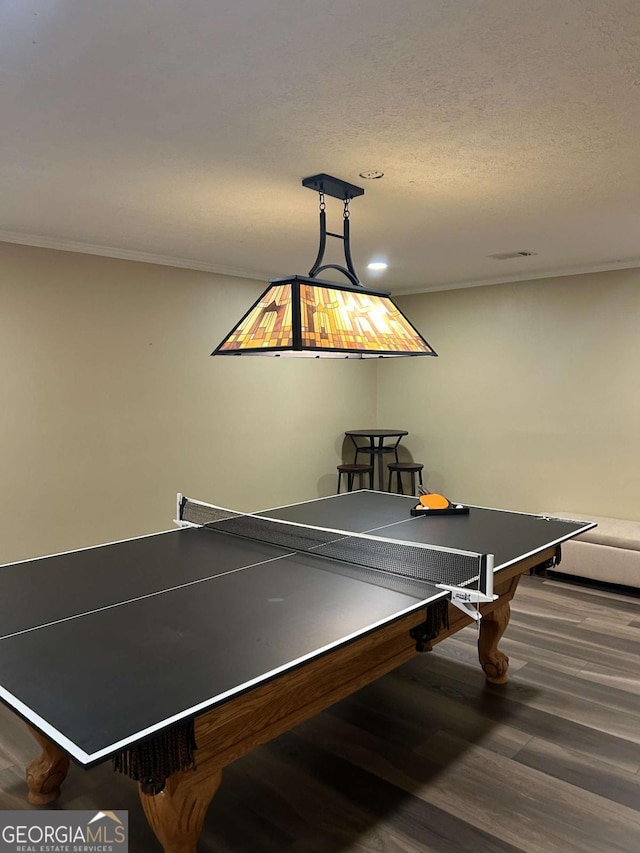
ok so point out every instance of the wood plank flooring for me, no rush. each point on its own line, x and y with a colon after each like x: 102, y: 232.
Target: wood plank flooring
x: 429, y: 758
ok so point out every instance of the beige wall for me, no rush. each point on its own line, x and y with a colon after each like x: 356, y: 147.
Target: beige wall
x: 534, y: 402
x: 110, y: 403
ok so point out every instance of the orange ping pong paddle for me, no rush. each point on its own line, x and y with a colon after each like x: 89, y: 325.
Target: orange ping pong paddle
x: 434, y: 501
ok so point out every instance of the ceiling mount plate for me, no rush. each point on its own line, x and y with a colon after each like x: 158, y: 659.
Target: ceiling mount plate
x: 334, y: 187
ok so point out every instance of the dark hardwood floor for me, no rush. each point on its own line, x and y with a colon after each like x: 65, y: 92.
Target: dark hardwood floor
x: 431, y: 759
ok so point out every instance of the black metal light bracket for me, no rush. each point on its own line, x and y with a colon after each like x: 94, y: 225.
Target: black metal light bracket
x: 328, y: 185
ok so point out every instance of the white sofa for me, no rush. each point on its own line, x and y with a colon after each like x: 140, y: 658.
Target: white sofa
x: 609, y: 552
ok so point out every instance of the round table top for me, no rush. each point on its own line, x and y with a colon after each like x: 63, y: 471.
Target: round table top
x: 377, y: 433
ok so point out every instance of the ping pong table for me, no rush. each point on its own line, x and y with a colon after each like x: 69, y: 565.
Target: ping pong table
x: 176, y: 653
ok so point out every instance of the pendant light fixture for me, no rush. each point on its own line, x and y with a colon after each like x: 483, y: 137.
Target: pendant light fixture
x: 305, y: 316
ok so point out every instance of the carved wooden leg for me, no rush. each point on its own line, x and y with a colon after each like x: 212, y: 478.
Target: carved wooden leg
x: 46, y: 773
x: 177, y: 813
x: 492, y: 626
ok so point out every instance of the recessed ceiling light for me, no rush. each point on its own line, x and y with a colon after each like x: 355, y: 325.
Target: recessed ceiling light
x: 371, y: 175
x: 377, y: 265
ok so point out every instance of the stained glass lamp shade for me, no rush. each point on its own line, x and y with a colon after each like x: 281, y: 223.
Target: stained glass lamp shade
x: 305, y: 316
x: 301, y: 316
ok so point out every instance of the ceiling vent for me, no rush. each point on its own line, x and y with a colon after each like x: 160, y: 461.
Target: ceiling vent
x: 505, y: 256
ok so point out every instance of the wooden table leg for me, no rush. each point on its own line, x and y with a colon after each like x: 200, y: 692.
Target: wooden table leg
x: 492, y: 626
x: 177, y: 813
x: 47, y: 772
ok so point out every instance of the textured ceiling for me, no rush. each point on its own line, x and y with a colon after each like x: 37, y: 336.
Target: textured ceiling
x: 180, y: 132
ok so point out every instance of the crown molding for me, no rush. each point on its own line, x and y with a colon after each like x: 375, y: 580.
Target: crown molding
x: 530, y: 276
x: 186, y: 263
x: 125, y: 254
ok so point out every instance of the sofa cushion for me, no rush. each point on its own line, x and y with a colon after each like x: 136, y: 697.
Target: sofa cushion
x: 614, y: 532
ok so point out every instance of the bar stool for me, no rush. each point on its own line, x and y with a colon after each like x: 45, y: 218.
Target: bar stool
x: 400, y: 468
x: 351, y: 470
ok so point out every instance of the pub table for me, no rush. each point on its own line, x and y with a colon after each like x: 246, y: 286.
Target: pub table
x: 376, y: 447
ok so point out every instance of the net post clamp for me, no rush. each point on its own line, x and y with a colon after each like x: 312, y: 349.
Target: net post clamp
x: 464, y: 598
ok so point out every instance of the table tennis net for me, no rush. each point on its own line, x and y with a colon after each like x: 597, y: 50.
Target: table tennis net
x: 414, y: 561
